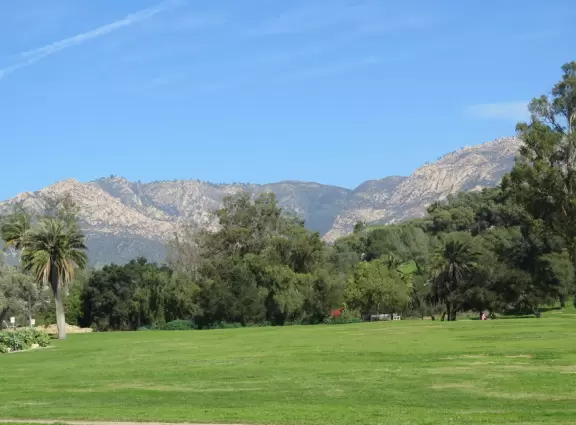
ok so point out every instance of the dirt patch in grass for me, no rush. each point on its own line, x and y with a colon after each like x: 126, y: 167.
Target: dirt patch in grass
x: 167, y: 388
x: 466, y: 357
x: 450, y: 370
x: 522, y: 367
x: 466, y: 385
x: 334, y: 392
x: 475, y: 389
x: 567, y: 369
x: 482, y: 412
x: 28, y: 403
x: 520, y: 356
x: 526, y: 396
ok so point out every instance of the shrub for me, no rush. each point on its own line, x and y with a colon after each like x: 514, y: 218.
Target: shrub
x: 263, y: 324
x: 224, y: 325
x: 342, y: 320
x: 179, y: 325
x: 346, y: 317
x: 22, y: 339
x: 27, y: 336
x: 41, y: 338
x: 13, y: 339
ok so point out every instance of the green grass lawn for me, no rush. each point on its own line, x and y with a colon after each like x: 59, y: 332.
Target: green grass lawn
x: 410, y: 372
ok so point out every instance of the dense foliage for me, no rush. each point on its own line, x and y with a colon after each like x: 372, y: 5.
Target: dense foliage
x: 128, y: 297
x: 510, y: 249
x: 22, y: 339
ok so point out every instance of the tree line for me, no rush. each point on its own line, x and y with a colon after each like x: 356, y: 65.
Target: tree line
x: 510, y: 249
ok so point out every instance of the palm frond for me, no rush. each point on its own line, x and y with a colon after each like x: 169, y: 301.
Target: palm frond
x: 54, y: 247
x: 14, y: 229
x: 453, y: 263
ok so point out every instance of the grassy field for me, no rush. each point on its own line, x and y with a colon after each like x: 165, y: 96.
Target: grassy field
x: 410, y: 372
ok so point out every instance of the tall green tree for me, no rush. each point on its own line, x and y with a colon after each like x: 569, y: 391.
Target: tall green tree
x: 19, y: 295
x: 376, y: 288
x: 134, y: 295
x: 406, y: 242
x: 543, y: 180
x: 52, y: 251
x: 261, y: 264
x: 453, y: 267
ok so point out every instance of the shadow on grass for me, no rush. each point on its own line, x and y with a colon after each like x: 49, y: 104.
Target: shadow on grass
x: 525, y: 316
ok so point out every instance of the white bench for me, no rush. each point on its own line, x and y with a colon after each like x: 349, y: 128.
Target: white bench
x: 384, y: 317
x: 379, y: 317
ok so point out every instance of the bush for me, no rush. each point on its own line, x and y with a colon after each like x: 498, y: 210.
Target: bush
x: 263, y: 324
x: 14, y: 340
x: 41, y: 338
x: 224, y: 325
x: 27, y: 336
x: 346, y: 317
x: 179, y: 325
x: 22, y: 339
x: 342, y: 320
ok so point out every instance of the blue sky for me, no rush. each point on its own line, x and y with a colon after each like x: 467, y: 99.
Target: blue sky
x: 334, y: 91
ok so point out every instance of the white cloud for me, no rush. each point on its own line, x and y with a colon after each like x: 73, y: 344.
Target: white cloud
x: 32, y: 56
x: 514, y: 111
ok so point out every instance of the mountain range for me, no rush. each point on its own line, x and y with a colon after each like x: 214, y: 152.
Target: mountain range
x: 123, y: 219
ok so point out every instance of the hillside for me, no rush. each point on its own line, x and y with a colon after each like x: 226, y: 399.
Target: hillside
x: 399, y: 198
x: 124, y: 219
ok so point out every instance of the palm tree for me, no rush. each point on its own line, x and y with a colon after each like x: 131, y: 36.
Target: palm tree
x: 13, y: 230
x: 51, y: 252
x: 453, y: 264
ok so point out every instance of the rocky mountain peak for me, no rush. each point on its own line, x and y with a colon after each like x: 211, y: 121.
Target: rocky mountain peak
x: 124, y: 219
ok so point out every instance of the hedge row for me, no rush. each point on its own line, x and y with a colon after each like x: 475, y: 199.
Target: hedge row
x: 186, y: 325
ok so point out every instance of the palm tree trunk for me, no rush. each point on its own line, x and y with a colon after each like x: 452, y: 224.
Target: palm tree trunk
x: 59, y: 302
x: 60, y: 315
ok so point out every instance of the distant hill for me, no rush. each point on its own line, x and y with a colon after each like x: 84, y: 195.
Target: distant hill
x: 124, y: 219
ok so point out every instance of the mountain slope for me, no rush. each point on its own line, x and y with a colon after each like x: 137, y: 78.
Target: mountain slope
x: 124, y: 219
x: 470, y: 168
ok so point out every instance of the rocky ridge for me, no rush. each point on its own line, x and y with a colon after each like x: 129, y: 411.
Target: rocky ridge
x: 124, y: 219
x: 470, y: 168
